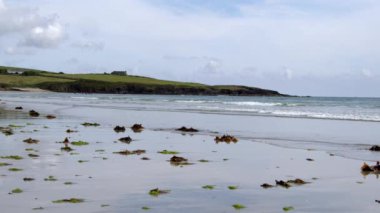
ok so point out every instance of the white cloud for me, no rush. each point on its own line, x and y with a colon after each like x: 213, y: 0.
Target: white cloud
x: 24, y: 27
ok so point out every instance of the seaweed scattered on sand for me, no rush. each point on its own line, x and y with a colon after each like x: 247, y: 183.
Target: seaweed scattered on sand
x: 283, y: 183
x: 233, y: 187
x: 71, y: 131
x: 31, y: 141
x: 79, y: 143
x: 104, y: 205
x: 12, y: 157
x: 68, y: 183
x: 145, y: 158
x: 18, y: 108
x: 309, y: 159
x: 134, y: 152
x: 137, y: 128
x: 288, y: 208
x: 87, y: 124
x: 27, y: 179
x: 119, y: 129
x: 38, y: 208
x: 238, y: 206
x: 33, y: 155
x: 51, y: 117
x: 226, y: 139
x: 50, y: 178
x: 266, y: 185
x: 168, y: 152
x: 82, y: 161
x: 145, y: 208
x: 179, y: 161
x: 14, y: 169
x: 185, y: 129
x: 127, y: 140
x: 33, y: 113
x: 70, y: 200
x: 7, y: 131
x: 375, y: 148
x: 16, y: 191
x: 157, y: 192
x: 209, y: 187
x: 203, y: 161
x: 4, y: 164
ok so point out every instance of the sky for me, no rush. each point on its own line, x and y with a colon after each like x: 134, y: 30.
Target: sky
x: 299, y: 47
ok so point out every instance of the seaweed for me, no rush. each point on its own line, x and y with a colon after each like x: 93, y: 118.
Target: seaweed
x: 50, y: 178
x: 31, y: 141
x: 15, y: 169
x: 119, y: 129
x: 127, y: 140
x: 4, y: 164
x: 16, y: 191
x: 79, y: 143
x: 51, y: 117
x: 238, y: 206
x: 137, y: 128
x: 266, y: 186
x: 27, y: 179
x: 87, y: 124
x: 226, y: 138
x: 168, y: 152
x: 145, y: 208
x: 33, y: 155
x: 288, y: 208
x: 70, y: 200
x: 209, y: 187
x: 185, y: 129
x: 203, y: 161
x: 71, y: 131
x: 7, y: 131
x: 12, y: 157
x: 134, y: 152
x: 233, y: 187
x: 33, y: 113
x: 157, y: 192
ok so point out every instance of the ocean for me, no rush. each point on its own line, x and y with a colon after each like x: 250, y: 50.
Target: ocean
x: 337, y: 108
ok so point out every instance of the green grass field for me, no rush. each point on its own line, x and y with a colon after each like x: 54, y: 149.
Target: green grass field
x: 107, y: 83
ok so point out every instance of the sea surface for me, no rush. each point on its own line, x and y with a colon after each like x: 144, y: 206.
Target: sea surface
x: 339, y: 108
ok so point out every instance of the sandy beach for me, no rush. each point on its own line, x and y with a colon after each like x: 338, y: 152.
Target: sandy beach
x: 323, y: 153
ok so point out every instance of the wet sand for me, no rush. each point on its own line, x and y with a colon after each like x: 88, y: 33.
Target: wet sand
x: 111, y: 182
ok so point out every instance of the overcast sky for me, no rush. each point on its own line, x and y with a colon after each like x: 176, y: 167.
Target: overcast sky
x: 301, y: 47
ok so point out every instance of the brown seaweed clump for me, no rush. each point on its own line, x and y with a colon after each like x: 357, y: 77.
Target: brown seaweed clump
x: 226, y: 139
x: 119, y: 129
x: 70, y: 131
x: 31, y: 141
x: 134, y: 152
x: 375, y: 148
x: 127, y: 140
x: 366, y: 169
x: 283, y: 183
x: 18, y: 108
x: 185, y: 129
x: 137, y: 128
x: 266, y: 186
x: 51, y: 117
x: 6, y: 131
x: 178, y: 161
x: 33, y: 113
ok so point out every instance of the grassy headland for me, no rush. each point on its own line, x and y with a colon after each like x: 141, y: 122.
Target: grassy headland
x: 107, y: 83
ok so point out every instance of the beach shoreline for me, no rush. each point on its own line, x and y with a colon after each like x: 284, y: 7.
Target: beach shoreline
x: 126, y: 180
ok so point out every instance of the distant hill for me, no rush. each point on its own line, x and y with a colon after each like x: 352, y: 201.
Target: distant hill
x: 15, y: 77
